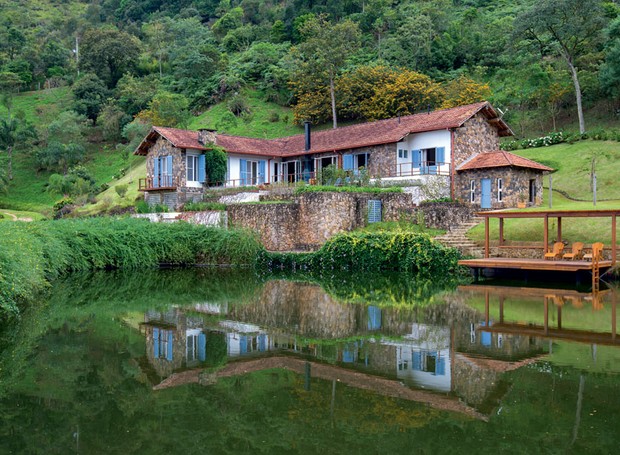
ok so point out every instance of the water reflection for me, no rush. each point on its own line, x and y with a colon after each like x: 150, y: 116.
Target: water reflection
x: 99, y: 368
x: 441, y: 348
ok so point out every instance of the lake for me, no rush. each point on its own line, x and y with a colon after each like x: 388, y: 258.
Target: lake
x: 211, y: 361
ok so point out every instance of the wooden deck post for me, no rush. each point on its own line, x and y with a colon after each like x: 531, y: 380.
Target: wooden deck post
x: 613, y: 240
x: 559, y: 237
x: 501, y: 231
x: 486, y: 236
x: 546, y: 315
x: 546, y: 234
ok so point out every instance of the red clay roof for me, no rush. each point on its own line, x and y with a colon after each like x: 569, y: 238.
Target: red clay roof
x: 500, y: 158
x: 344, y: 138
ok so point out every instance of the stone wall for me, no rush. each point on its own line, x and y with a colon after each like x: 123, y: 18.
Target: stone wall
x: 475, y: 136
x: 444, y: 215
x: 516, y: 182
x: 312, y: 218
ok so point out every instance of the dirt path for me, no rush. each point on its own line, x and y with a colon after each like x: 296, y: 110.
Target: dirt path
x: 351, y: 378
x: 15, y: 218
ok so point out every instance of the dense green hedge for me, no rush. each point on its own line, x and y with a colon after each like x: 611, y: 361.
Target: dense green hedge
x: 346, y: 189
x: 33, y: 254
x: 403, y: 251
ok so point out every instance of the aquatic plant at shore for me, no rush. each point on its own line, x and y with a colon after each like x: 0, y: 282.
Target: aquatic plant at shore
x: 32, y: 255
x: 402, y: 251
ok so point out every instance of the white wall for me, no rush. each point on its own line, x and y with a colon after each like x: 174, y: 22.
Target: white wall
x: 418, y: 141
x: 233, y: 175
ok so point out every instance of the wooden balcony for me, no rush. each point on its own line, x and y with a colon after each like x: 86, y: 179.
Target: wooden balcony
x: 162, y: 183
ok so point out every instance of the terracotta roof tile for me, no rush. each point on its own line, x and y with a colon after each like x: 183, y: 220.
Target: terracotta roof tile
x: 343, y: 138
x: 500, y: 158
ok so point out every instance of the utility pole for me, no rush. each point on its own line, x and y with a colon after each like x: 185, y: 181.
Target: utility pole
x: 77, y: 54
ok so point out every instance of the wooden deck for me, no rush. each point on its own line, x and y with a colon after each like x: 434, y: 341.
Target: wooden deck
x: 532, y: 264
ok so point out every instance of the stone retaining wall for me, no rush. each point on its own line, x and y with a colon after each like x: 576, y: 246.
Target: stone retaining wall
x: 312, y: 218
x: 444, y: 215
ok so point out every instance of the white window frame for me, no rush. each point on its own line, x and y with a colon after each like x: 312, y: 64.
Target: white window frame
x: 318, y: 162
x: 403, y: 154
x: 356, y: 163
x: 500, y: 190
x: 193, y: 179
x: 472, y: 191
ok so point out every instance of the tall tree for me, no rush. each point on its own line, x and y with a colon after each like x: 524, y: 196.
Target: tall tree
x: 325, y: 50
x: 14, y: 129
x: 109, y: 53
x: 568, y: 28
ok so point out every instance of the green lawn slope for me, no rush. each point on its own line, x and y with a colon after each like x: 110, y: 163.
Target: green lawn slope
x: 574, y: 164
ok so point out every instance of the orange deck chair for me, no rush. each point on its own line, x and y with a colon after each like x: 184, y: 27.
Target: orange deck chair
x: 576, y: 253
x: 597, y: 252
x: 558, y: 247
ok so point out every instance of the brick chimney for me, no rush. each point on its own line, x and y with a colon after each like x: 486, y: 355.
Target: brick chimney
x: 206, y: 136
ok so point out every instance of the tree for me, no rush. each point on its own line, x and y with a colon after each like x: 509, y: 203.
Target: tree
x: 15, y: 132
x: 167, y: 109
x: 216, y: 164
x: 89, y: 96
x: 109, y: 53
x: 610, y: 69
x: 568, y: 28
x: 325, y: 50
x: 463, y: 90
x: 64, y: 143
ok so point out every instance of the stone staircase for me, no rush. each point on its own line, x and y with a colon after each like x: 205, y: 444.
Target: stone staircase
x: 456, y: 238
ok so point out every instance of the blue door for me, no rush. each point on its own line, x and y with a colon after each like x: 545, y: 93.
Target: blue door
x: 485, y: 198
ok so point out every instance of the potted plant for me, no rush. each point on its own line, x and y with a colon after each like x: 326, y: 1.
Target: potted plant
x: 521, y: 198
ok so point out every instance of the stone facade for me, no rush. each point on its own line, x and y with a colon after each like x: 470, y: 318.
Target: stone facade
x: 312, y: 218
x: 475, y: 136
x: 516, y: 186
x: 172, y: 198
x: 444, y: 215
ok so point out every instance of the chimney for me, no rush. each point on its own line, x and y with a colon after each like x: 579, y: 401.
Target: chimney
x: 307, y: 134
x: 206, y: 136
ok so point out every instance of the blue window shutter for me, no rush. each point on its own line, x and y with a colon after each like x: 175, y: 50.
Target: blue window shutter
x: 262, y: 342
x: 440, y: 366
x: 416, y: 157
x: 243, y: 344
x: 202, y: 347
x: 169, y: 170
x: 243, y: 172
x: 169, y: 353
x: 374, y: 318
x: 374, y: 211
x: 261, y: 171
x: 440, y: 155
x: 156, y: 172
x: 347, y: 162
x: 202, y: 170
x: 155, y: 342
x: 416, y: 361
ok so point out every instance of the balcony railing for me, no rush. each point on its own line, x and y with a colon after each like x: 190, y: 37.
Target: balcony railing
x: 423, y: 168
x: 164, y: 182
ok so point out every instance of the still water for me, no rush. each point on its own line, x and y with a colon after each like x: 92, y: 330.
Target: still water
x: 200, y: 361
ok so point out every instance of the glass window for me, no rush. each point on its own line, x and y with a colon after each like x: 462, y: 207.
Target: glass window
x: 403, y: 153
x: 500, y: 190
x: 192, y: 168
x: 472, y: 191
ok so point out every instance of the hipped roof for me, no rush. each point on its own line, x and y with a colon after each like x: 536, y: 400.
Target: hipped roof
x: 500, y: 158
x: 343, y: 138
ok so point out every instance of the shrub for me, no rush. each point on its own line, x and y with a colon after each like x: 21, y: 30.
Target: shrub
x: 202, y: 206
x: 159, y: 208
x: 121, y: 189
x: 142, y: 207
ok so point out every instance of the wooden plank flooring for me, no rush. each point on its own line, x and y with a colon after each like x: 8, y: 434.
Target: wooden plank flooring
x: 531, y: 264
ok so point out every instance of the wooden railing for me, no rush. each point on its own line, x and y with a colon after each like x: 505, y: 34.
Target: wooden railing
x: 165, y: 182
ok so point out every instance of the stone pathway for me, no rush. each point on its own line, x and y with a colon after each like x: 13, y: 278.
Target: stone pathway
x: 456, y: 238
x: 15, y: 218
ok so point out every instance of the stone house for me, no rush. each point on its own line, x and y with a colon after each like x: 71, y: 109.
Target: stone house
x: 499, y: 179
x: 417, y: 148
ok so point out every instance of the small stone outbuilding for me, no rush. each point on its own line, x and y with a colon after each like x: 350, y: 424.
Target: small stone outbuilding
x: 500, y: 179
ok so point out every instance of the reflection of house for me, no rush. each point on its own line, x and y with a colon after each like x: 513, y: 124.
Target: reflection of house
x: 420, y: 147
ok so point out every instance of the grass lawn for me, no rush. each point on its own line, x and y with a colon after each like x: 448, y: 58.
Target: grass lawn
x: 574, y: 162
x: 587, y: 230
x: 41, y: 107
x: 391, y: 226
x: 19, y: 215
